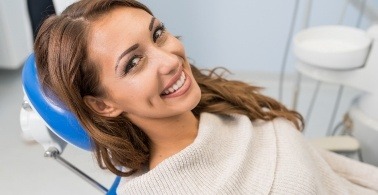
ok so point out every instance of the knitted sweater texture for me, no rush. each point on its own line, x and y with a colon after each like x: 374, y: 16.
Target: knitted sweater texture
x: 232, y: 155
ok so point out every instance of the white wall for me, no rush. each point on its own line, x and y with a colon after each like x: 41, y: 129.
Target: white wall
x: 243, y: 35
x: 60, y: 5
x: 16, y: 39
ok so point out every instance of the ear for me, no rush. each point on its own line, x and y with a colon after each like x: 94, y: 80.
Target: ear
x: 102, y: 107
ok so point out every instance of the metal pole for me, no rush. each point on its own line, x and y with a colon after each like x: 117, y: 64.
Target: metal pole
x: 54, y: 153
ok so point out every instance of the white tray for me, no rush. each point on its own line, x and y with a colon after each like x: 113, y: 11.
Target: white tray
x: 332, y: 47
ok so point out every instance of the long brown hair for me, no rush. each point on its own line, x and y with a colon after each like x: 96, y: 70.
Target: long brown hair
x: 65, y: 69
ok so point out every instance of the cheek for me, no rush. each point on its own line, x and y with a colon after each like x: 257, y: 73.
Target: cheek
x: 139, y: 90
x: 141, y: 86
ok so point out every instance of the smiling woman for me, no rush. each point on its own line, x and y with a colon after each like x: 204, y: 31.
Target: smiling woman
x: 168, y: 125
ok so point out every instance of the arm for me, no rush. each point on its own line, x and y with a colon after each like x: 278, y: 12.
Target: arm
x: 356, y: 172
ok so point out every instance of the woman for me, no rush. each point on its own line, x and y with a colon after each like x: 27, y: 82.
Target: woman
x: 172, y: 128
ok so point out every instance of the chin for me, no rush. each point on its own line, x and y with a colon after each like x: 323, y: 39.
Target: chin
x: 197, y: 96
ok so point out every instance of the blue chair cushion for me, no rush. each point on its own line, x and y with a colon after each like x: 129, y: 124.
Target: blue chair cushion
x: 61, y: 121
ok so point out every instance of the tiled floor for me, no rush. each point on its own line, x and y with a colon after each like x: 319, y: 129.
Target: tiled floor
x: 24, y: 170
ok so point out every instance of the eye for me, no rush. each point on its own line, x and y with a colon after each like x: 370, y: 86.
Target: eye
x: 159, y: 31
x: 134, y: 61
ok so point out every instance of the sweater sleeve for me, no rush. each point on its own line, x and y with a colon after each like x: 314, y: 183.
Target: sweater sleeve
x: 356, y: 172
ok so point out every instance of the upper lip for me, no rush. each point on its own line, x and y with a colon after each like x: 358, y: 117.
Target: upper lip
x: 174, y: 79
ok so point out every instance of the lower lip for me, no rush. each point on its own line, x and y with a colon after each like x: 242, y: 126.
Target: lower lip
x: 184, y: 88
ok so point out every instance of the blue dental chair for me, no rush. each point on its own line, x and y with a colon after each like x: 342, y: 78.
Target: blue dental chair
x: 46, y: 120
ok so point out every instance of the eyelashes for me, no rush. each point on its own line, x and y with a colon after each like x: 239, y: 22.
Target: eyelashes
x: 157, y: 37
x: 159, y: 32
x: 134, y: 61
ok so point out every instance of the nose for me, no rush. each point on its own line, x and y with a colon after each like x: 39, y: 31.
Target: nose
x: 164, y: 60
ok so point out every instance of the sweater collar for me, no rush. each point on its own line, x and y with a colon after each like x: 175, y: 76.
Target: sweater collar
x: 229, y: 148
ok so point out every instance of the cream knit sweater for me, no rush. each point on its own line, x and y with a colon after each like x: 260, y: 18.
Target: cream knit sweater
x: 232, y: 155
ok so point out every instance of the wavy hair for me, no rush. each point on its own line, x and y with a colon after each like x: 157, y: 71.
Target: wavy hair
x: 65, y: 69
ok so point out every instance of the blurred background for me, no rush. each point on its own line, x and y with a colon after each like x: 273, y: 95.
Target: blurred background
x: 252, y: 39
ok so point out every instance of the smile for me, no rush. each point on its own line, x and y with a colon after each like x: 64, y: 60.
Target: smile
x: 176, y: 86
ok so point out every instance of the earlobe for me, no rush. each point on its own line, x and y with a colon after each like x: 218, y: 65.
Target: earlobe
x: 101, y: 107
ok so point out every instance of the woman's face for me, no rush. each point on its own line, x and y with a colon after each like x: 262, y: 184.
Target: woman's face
x: 143, y: 68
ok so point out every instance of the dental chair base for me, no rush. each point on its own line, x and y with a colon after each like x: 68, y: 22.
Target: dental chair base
x: 365, y: 129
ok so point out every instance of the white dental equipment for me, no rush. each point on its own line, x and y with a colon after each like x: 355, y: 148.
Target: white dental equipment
x: 347, y: 56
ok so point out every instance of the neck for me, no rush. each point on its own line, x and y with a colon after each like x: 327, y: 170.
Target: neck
x: 170, y: 135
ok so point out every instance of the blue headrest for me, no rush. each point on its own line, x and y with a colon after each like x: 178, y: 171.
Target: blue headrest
x: 61, y: 121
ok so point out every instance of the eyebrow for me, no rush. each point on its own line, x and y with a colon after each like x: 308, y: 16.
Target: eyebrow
x: 132, y: 48
x: 151, y: 23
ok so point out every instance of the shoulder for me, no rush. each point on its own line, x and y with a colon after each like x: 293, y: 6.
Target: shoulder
x: 278, y: 123
x: 239, y: 121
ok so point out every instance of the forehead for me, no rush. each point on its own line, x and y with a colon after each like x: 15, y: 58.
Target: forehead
x: 119, y: 19
x: 115, y: 31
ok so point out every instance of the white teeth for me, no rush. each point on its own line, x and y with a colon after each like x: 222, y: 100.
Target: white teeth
x: 179, y: 83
